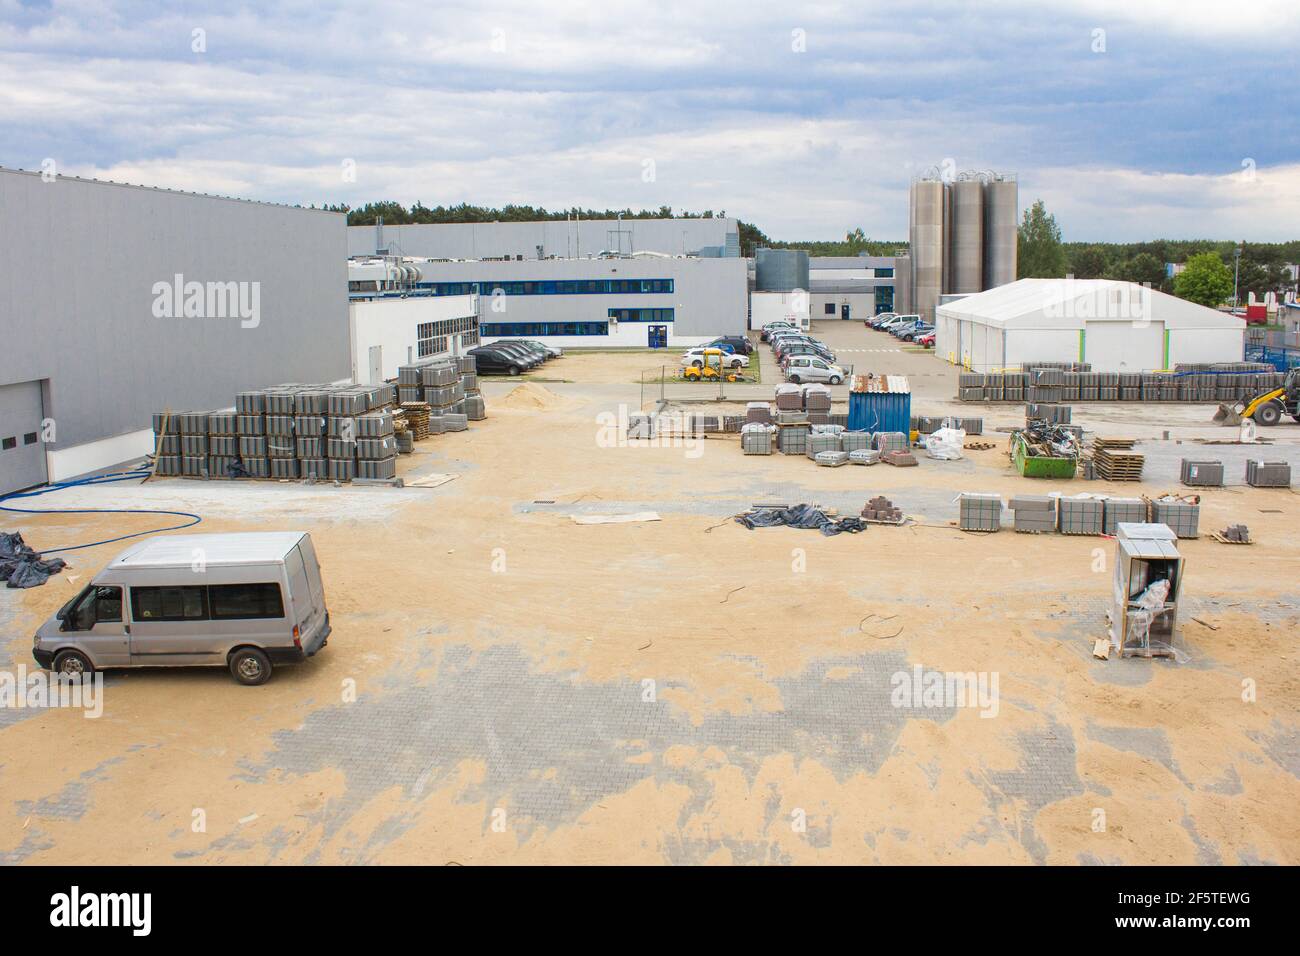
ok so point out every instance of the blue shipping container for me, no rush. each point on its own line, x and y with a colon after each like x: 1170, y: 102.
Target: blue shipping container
x: 880, y: 412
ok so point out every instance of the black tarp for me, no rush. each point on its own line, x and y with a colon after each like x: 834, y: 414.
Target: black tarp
x: 800, y: 516
x: 21, y: 567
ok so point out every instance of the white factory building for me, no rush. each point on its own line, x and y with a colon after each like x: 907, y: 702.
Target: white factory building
x: 1114, y: 326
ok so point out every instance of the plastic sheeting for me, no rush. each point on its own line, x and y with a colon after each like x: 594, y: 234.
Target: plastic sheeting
x: 945, y: 444
x: 22, y: 567
x: 800, y: 516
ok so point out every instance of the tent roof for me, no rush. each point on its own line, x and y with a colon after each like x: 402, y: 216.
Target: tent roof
x: 1068, y: 303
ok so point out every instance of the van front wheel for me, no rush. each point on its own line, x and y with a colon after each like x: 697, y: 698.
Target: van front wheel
x: 250, y: 666
x: 73, y: 664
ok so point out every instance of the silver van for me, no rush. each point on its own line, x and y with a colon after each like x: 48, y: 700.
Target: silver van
x: 243, y: 601
x: 811, y: 368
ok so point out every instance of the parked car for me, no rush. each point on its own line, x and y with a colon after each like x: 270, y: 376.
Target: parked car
x: 926, y: 340
x: 875, y: 321
x: 244, y: 601
x: 813, y: 345
x: 552, y: 351
x: 810, y: 368
x: 534, y: 348
x: 490, y: 361
x: 772, y: 328
x: 908, y: 333
x: 898, y: 321
x: 784, y: 363
x: 527, y: 357
x: 731, y: 343
x: 730, y: 359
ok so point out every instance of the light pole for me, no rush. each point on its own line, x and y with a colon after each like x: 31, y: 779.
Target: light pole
x: 1236, y: 274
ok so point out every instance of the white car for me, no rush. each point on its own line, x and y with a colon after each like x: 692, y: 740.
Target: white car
x: 810, y: 368
x: 729, y: 359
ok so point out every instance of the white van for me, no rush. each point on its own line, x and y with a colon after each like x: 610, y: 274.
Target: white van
x: 243, y: 601
x: 810, y: 368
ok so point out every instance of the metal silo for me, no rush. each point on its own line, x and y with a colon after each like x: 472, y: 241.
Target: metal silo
x: 780, y: 270
x: 1001, y: 212
x: 927, y: 215
x: 967, y: 273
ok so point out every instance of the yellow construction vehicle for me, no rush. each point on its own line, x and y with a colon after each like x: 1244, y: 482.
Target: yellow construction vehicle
x: 709, y: 366
x: 1268, y: 408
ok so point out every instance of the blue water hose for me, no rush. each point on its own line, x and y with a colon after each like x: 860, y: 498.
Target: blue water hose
x: 95, y: 480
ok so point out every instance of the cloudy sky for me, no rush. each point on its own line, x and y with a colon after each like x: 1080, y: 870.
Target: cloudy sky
x: 1131, y: 119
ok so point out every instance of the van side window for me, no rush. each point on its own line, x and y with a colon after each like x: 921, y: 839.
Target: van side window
x: 108, y: 605
x: 169, y: 604
x: 245, y: 601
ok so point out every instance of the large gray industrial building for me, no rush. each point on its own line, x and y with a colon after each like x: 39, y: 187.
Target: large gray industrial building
x: 94, y: 338
x: 962, y: 235
x: 561, y: 238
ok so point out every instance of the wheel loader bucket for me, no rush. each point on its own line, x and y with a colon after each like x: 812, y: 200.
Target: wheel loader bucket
x: 1227, y: 415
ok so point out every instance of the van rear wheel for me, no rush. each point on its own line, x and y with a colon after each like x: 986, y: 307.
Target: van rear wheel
x: 73, y: 664
x: 250, y: 666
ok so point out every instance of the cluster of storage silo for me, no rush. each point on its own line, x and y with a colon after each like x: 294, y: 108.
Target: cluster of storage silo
x: 962, y: 233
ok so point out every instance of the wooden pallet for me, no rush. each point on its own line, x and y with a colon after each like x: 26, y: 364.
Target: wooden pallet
x: 1117, y: 466
x: 1225, y: 540
x: 1113, y: 442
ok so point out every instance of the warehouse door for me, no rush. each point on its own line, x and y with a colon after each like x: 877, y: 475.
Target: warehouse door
x: 22, y: 453
x: 376, y: 365
x: 1124, y: 346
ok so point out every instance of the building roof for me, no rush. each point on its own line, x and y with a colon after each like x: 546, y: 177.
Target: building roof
x: 182, y: 550
x: 1069, y: 303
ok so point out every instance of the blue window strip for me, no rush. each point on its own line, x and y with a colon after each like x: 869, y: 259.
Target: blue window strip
x: 642, y: 315
x: 552, y: 287
x: 537, y: 329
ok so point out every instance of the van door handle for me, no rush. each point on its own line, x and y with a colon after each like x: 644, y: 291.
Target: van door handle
x: 128, y: 628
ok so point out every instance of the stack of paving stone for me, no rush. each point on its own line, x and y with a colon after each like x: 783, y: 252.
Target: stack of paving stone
x: 1182, y: 515
x: 475, y: 408
x: 970, y: 387
x: 1050, y: 382
x: 789, y: 398
x: 854, y: 441
x: 891, y: 442
x: 191, y: 431
x: 1236, y: 533
x: 443, y: 390
x: 1117, y: 511
x: 1080, y: 515
x: 817, y: 403
x: 1056, y: 414
x: 756, y: 438
x: 1268, y: 474
x: 758, y: 413
x: 864, y: 456
x: 167, y: 444
x: 1033, y: 514
x: 792, y: 436
x: 979, y: 512
x: 223, y: 441
x: 819, y: 442
x: 881, y: 508
x: 899, y: 459
x: 831, y: 458
x: 1207, y: 474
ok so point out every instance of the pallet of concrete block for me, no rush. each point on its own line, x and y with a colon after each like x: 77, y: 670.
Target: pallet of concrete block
x: 1033, y: 514
x: 758, y: 413
x: 1117, y: 511
x: 792, y: 437
x: 831, y: 458
x: 1182, y: 513
x: 756, y: 438
x: 855, y: 441
x: 885, y: 442
x: 789, y: 398
x: 979, y: 512
x: 864, y: 456
x: 816, y: 398
x: 1196, y: 473
x: 970, y: 387
x: 1268, y: 474
x: 1055, y: 414
x: 1080, y: 515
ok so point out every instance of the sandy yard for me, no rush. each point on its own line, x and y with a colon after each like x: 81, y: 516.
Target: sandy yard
x: 506, y: 685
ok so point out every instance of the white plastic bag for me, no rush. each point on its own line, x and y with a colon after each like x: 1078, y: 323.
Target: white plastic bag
x: 945, y: 444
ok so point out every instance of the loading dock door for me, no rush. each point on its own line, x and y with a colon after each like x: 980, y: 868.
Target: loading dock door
x: 22, y: 453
